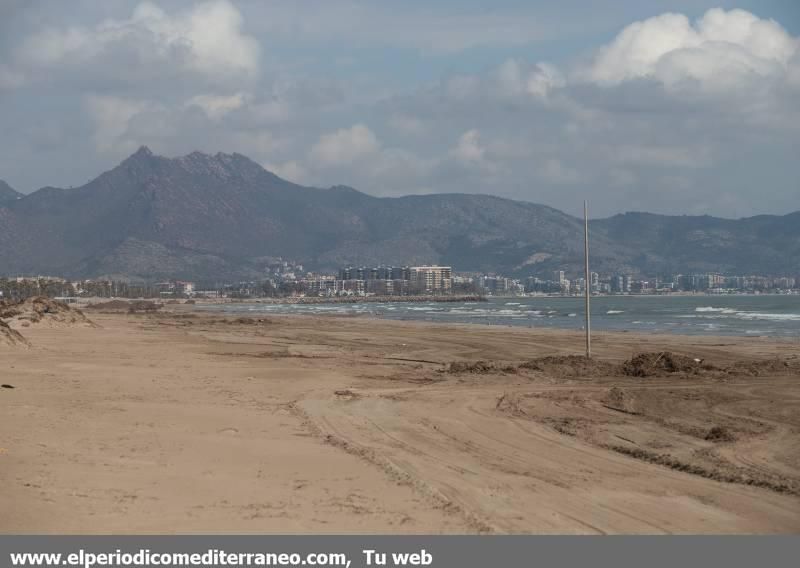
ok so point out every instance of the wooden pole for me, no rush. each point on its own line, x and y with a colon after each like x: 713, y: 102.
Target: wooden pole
x: 587, y: 276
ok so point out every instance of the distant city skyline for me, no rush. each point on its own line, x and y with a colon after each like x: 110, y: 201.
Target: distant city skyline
x: 665, y: 106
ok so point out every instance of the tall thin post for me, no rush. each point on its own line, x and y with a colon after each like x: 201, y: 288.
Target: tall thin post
x: 587, y: 276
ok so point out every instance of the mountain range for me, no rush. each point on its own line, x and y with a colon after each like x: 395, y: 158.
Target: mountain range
x: 223, y: 217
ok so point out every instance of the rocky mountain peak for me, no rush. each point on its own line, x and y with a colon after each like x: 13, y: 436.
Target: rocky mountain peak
x: 142, y: 152
x: 219, y: 165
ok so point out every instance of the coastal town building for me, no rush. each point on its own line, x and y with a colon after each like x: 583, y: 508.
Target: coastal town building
x: 431, y: 279
x: 386, y: 280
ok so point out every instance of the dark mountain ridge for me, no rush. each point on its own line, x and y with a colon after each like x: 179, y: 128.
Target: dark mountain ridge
x: 218, y: 216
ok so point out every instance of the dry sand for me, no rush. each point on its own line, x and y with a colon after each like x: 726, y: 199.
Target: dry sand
x: 178, y: 422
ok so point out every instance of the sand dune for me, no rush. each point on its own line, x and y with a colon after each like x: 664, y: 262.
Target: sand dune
x: 179, y: 422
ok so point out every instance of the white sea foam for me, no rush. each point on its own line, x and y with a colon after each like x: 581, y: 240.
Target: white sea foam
x: 763, y: 316
x: 713, y: 309
x: 715, y: 316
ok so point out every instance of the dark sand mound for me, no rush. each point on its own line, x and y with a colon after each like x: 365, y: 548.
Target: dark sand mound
x: 480, y: 367
x: 663, y: 363
x: 472, y: 367
x: 666, y: 363
x: 570, y: 366
x: 643, y: 365
x: 558, y: 366
x: 720, y: 434
x: 125, y: 306
x: 42, y: 311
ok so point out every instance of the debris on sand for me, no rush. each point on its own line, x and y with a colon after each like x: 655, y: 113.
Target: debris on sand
x: 729, y: 474
x: 648, y: 364
x: 110, y: 306
x: 346, y: 394
x: 249, y: 321
x: 477, y: 368
x: 720, y: 434
x: 144, y: 306
x: 765, y: 367
x: 11, y: 337
x: 125, y: 306
x: 663, y: 363
x: 560, y: 366
x: 557, y: 366
x: 42, y: 310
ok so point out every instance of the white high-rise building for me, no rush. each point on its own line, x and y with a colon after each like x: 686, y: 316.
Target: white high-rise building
x: 431, y: 278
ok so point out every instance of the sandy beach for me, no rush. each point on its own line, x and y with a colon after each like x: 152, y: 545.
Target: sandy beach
x: 186, y: 423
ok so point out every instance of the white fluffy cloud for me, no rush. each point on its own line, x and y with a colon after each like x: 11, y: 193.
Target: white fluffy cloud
x: 356, y: 156
x: 516, y: 78
x: 345, y: 146
x: 217, y: 106
x: 111, y: 117
x: 207, y: 40
x: 721, y: 49
x: 469, y: 149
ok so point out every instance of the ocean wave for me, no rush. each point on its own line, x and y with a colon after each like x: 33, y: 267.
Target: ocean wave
x: 763, y: 316
x: 713, y: 309
x: 612, y: 312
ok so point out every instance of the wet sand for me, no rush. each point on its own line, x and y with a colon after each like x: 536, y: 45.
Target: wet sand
x: 181, y: 423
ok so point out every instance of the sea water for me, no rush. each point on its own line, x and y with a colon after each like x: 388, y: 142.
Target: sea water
x: 751, y: 315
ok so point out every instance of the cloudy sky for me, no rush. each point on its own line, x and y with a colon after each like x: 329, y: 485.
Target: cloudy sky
x: 685, y: 106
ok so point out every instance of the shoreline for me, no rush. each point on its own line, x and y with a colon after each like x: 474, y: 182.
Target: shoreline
x: 738, y: 318
x: 495, y: 327
x: 312, y: 300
